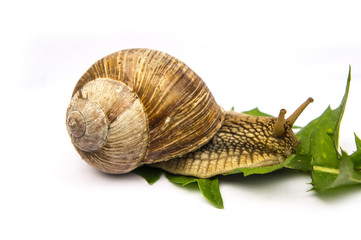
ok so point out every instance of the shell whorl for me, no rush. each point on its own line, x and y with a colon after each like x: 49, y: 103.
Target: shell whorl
x: 178, y: 113
x: 114, y: 126
x: 87, y: 124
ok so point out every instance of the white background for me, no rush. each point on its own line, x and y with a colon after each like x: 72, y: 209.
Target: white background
x: 270, y: 54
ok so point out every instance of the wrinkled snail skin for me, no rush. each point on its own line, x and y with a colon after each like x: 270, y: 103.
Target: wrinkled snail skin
x: 142, y: 106
x: 242, y: 142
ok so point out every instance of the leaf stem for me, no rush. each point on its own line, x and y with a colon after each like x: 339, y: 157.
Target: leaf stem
x: 326, y: 169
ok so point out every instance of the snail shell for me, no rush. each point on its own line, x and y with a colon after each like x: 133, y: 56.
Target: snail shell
x: 140, y: 106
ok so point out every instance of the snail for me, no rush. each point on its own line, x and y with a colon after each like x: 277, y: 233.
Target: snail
x: 144, y: 107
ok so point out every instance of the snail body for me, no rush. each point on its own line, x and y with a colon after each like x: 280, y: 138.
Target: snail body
x: 142, y: 106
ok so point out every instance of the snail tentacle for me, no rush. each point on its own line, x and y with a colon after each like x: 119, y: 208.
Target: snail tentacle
x: 279, y: 127
x: 292, y: 119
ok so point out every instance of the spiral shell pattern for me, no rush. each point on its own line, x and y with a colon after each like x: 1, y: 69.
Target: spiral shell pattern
x: 177, y: 112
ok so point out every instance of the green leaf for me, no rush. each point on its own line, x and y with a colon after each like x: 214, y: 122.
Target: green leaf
x: 324, y: 159
x: 300, y: 162
x: 150, y: 174
x: 328, y: 123
x: 210, y: 190
x: 325, y: 178
x: 323, y: 151
x: 356, y: 156
x: 340, y: 110
x: 347, y: 175
x: 258, y: 170
x: 208, y: 187
x: 330, y: 169
x: 182, y: 180
x: 257, y: 112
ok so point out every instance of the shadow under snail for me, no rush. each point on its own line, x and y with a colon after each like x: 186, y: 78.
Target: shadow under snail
x: 141, y: 106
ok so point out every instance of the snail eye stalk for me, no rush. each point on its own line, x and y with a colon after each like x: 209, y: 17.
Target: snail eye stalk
x: 279, y: 127
x: 292, y: 119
